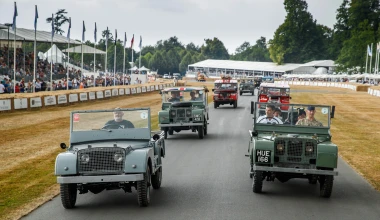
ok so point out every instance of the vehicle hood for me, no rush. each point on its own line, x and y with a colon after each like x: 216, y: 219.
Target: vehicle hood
x: 124, y: 144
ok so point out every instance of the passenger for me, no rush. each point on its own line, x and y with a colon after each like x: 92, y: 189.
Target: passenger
x: 277, y: 113
x: 174, y: 97
x: 118, y: 122
x: 269, y: 117
x: 309, y: 120
x: 301, y: 114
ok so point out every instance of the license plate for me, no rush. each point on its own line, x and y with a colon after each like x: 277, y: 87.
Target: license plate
x: 263, y: 156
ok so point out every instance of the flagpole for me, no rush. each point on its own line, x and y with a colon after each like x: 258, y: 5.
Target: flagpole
x: 35, y: 52
x: 114, y: 61
x: 105, y: 67
x: 378, y: 58
x: 95, y: 56
x: 366, y: 60
x: 375, y: 70
x: 51, y: 62
x: 133, y: 39
x: 14, y: 62
x: 124, y: 62
x: 370, y: 62
x: 68, y: 60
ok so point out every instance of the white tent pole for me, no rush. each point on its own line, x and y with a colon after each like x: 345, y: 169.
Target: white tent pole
x: 366, y: 60
x: 375, y: 69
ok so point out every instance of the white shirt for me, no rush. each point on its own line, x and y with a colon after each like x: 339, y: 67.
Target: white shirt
x: 2, y: 88
x: 264, y: 120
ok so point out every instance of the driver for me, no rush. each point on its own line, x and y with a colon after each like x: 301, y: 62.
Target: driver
x: 174, y: 96
x: 118, y: 122
x: 192, y: 95
x: 309, y: 120
x: 269, y: 117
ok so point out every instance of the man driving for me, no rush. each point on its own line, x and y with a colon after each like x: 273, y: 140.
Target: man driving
x: 118, y: 122
x: 309, y: 120
x: 192, y: 95
x: 174, y: 96
x: 269, y: 117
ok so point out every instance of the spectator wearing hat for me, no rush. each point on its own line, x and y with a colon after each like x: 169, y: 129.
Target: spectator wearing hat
x: 309, y: 120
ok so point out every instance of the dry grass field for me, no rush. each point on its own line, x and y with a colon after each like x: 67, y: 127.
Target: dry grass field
x: 31, y: 140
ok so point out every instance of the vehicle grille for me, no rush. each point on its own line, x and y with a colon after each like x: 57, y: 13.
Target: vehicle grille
x: 101, y: 160
x: 181, y: 114
x: 294, y: 150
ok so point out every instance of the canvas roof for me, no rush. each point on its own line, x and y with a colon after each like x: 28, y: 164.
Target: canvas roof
x: 320, y: 63
x: 245, y: 65
x: 86, y: 49
x: 23, y: 34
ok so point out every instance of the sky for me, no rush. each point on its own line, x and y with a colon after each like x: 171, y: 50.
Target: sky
x: 231, y: 21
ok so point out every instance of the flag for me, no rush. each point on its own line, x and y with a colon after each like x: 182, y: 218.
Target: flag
x: 369, y: 52
x: 52, y: 25
x: 125, y: 38
x: 15, y: 14
x: 95, y: 33
x: 35, y: 19
x: 68, y: 32
x: 107, y: 37
x: 84, y: 30
x: 133, y: 39
x: 140, y: 45
x: 115, y: 36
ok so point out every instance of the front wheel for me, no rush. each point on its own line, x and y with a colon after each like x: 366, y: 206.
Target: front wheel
x: 157, y: 179
x: 205, y: 128
x: 68, y: 195
x: 143, y: 189
x: 257, y: 183
x: 215, y: 105
x: 171, y: 131
x: 326, y: 185
x: 166, y: 134
x: 241, y: 93
x: 235, y: 104
x: 200, y: 132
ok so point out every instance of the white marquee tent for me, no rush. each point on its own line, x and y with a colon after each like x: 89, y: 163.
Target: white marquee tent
x: 55, y: 54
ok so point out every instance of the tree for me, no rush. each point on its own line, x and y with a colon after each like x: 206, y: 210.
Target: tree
x: 341, y: 30
x: 191, y: 47
x: 59, y: 19
x: 157, y: 62
x: 172, y: 61
x: 257, y: 52
x: 246, y: 45
x: 215, y: 49
x: 186, y: 61
x: 298, y: 39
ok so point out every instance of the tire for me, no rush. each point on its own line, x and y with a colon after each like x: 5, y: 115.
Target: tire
x: 215, y: 105
x: 200, y: 132
x: 257, y: 183
x: 326, y: 185
x: 205, y: 129
x: 166, y: 134
x: 241, y: 93
x: 157, y: 179
x: 235, y: 104
x: 68, y: 195
x: 143, y: 189
x: 170, y: 131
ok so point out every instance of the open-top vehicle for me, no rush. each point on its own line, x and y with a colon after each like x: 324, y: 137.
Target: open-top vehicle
x: 298, y: 147
x: 247, y: 86
x: 110, y: 149
x: 267, y: 79
x: 225, y: 92
x: 274, y: 93
x: 184, y: 108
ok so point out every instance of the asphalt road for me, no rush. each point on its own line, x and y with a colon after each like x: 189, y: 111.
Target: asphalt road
x: 209, y: 179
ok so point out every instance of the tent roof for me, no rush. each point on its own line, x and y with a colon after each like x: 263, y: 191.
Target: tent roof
x: 41, y: 36
x: 134, y: 68
x: 2, y: 26
x: 245, y: 65
x: 86, y: 49
x: 320, y: 63
x: 143, y: 69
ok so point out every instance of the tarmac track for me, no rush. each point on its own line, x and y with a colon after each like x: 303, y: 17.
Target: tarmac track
x: 209, y: 179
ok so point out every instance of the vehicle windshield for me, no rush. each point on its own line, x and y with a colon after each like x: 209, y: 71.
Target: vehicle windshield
x: 183, y: 96
x: 273, y: 91
x: 268, y: 80
x: 110, y: 120
x: 225, y: 85
x: 292, y: 115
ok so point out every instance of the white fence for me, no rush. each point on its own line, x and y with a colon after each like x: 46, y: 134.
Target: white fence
x: 322, y: 84
x: 374, y: 92
x: 40, y: 100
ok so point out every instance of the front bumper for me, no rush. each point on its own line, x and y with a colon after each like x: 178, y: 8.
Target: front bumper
x: 100, y: 179
x: 295, y: 170
x: 180, y: 124
x: 244, y: 91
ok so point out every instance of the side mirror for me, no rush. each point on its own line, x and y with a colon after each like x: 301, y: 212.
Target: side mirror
x: 252, y: 107
x: 332, y: 113
x: 63, y: 145
x: 156, y: 137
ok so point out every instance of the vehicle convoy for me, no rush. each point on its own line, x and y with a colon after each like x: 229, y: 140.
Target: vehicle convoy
x: 184, y: 108
x: 225, y: 92
x: 298, y: 147
x: 246, y: 86
x: 109, y: 150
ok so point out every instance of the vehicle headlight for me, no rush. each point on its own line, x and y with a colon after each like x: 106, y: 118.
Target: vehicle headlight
x: 188, y: 113
x: 85, y: 158
x: 118, y: 157
x: 309, y: 148
x: 172, y: 113
x: 280, y: 147
x: 197, y: 117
